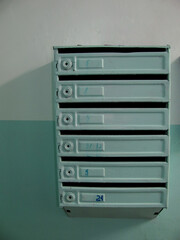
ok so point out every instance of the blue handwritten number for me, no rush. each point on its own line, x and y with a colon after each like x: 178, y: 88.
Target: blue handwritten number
x: 87, y: 118
x: 85, y: 90
x: 86, y: 172
x: 99, y: 198
x: 89, y: 146
x: 98, y: 146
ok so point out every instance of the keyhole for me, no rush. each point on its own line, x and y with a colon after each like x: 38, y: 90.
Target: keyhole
x: 67, y: 64
x: 70, y: 197
x: 67, y: 91
x: 67, y: 119
x: 69, y: 172
x: 68, y: 146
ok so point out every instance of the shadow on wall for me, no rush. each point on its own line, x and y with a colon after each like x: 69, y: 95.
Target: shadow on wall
x: 4, y: 4
x: 175, y: 89
x: 28, y: 97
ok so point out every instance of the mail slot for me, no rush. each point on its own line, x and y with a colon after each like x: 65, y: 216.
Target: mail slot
x: 127, y: 118
x: 113, y: 172
x: 114, y: 90
x: 113, y: 197
x: 124, y: 145
x: 109, y: 63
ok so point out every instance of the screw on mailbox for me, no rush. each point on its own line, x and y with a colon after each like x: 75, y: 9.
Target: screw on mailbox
x: 67, y: 91
x: 67, y: 119
x: 68, y: 146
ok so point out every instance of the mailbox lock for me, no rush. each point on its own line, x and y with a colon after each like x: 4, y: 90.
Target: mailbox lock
x: 68, y: 146
x: 66, y: 64
x: 67, y: 119
x: 67, y: 91
x: 70, y: 197
x: 69, y: 172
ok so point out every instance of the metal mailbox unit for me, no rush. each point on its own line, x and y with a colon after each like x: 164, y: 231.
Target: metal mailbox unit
x: 112, y: 130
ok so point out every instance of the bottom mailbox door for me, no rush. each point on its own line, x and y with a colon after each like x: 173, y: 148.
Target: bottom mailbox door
x: 113, y: 197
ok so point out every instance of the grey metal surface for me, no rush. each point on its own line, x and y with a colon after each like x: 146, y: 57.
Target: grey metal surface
x: 134, y: 83
x: 109, y: 63
x: 123, y: 145
x: 117, y: 118
x: 117, y: 212
x: 113, y: 172
x: 113, y: 197
x: 112, y: 90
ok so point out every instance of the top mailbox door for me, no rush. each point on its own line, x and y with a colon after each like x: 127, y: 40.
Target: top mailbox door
x: 112, y: 63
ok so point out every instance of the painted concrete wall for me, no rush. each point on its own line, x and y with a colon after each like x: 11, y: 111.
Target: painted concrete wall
x: 29, y: 29
x: 28, y: 193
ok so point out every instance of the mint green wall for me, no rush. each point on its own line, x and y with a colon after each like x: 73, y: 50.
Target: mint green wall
x: 28, y: 207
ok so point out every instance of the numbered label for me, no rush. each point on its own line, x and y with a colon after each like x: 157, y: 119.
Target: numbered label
x: 92, y: 197
x: 86, y: 172
x: 99, y: 198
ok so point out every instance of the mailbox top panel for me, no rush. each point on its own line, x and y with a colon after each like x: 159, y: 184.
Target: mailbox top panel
x: 111, y: 60
x: 65, y: 49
